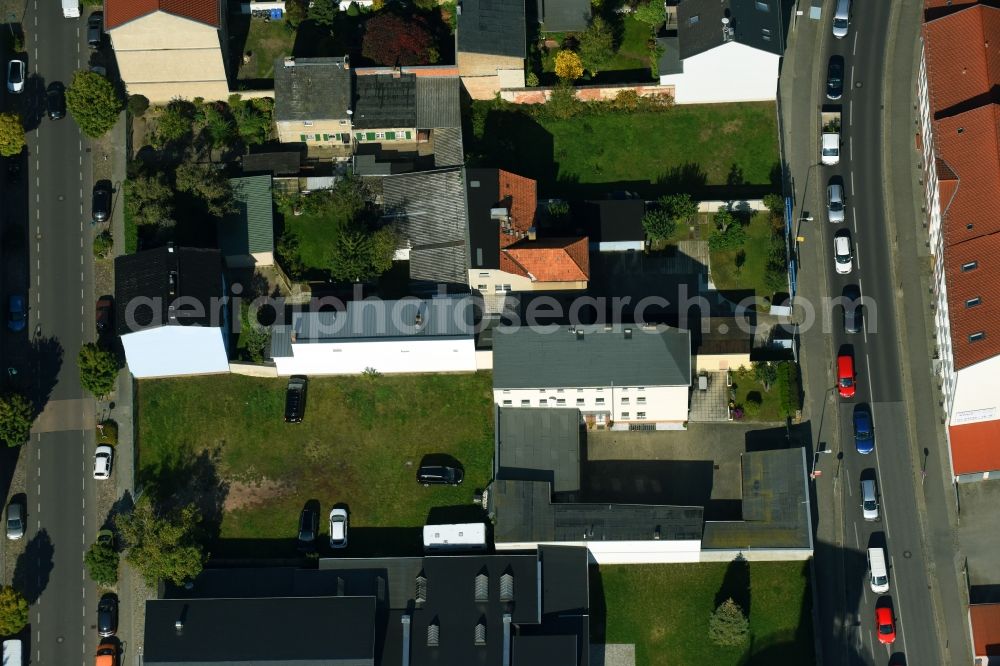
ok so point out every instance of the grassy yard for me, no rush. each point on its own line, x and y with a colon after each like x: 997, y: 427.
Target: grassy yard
x: 632, y: 56
x: 360, y: 443
x: 265, y: 41
x: 703, y: 150
x: 664, y: 610
x: 317, y: 228
x: 317, y: 234
x: 728, y: 275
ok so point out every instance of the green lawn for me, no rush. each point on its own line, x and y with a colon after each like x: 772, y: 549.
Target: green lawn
x: 265, y: 41
x: 632, y: 56
x: 323, y: 215
x: 752, y: 275
x: 664, y: 609
x: 360, y: 443
x: 704, y: 150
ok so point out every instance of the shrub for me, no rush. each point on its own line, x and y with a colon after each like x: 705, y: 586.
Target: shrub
x: 626, y: 100
x: 751, y: 408
x: 103, y: 242
x: 788, y: 387
x: 531, y: 80
x: 101, y: 560
x: 775, y: 203
x: 352, y: 10
x: 568, y: 65
x: 138, y: 105
x: 563, y: 103
x: 658, y: 224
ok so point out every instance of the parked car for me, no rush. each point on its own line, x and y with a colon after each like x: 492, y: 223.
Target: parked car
x: 846, y: 384
x: 843, y: 256
x: 55, y: 100
x: 107, y: 654
x: 295, y: 399
x: 885, y: 626
x: 102, y: 462
x: 869, y: 500
x: 864, y: 434
x: 853, y: 318
x: 841, y: 18
x: 107, y: 615
x: 100, y: 202
x: 104, y: 315
x: 338, y: 528
x: 835, y: 200
x: 15, y: 520
x: 15, y: 76
x: 95, y: 30
x: 17, y: 316
x: 308, y: 528
x: 441, y: 475
x: 835, y: 77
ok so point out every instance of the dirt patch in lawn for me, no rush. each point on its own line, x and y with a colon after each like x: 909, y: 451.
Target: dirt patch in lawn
x: 246, y: 494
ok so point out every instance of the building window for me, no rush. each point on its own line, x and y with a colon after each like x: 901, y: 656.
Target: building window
x: 762, y: 6
x: 600, y: 390
x: 560, y: 402
x: 625, y: 400
x: 641, y: 416
x: 625, y: 415
x: 484, y: 275
x: 526, y: 403
x: 559, y: 391
x: 970, y: 266
x: 641, y: 389
x: 600, y: 401
x: 579, y: 402
x: 498, y: 288
x: 579, y: 390
x: 506, y: 287
x: 641, y: 400
x: 977, y: 336
x: 507, y: 403
x: 543, y: 402
x: 541, y: 390
x: 307, y: 123
x: 506, y: 392
x: 973, y: 302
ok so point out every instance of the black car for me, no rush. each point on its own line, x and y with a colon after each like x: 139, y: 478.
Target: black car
x: 295, y: 399
x: 835, y: 77
x: 308, y: 528
x: 107, y: 615
x: 95, y: 30
x: 440, y: 475
x: 101, y: 201
x: 55, y: 100
x: 852, y: 308
x: 104, y: 314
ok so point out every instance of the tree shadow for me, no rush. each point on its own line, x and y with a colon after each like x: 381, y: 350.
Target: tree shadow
x: 185, y: 479
x: 683, y: 179
x: 736, y: 585
x: 45, y: 359
x: 34, y: 565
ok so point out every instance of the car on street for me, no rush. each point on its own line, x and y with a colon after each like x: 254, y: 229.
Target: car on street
x: 864, y: 435
x: 100, y: 202
x: 851, y: 302
x: 107, y: 615
x: 835, y: 77
x: 841, y: 18
x: 308, y: 528
x: 107, y: 654
x: 102, y: 462
x: 17, y: 315
x: 835, y: 200
x: 95, y: 30
x: 15, y: 520
x: 15, y: 76
x: 885, y: 626
x: 104, y: 314
x: 869, y: 499
x: 55, y: 100
x: 843, y: 256
x: 295, y: 399
x: 338, y: 528
x: 440, y: 475
x: 846, y: 384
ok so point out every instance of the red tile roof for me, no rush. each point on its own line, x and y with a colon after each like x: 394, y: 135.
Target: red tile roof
x: 985, y: 621
x: 548, y: 260
x: 975, y: 447
x: 963, y: 56
x: 520, y: 195
x: 119, y: 12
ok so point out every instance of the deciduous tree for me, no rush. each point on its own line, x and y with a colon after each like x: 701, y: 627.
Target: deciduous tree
x: 162, y: 547
x: 322, y: 12
x: 568, y: 65
x: 658, y: 224
x: 728, y: 234
x: 175, y: 123
x: 101, y: 560
x: 254, y: 118
x: 94, y: 103
x: 149, y: 200
x: 13, y: 611
x: 16, y: 415
x: 11, y: 134
x: 392, y: 40
x: 597, y: 45
x: 207, y: 184
x: 98, y: 369
x: 652, y: 13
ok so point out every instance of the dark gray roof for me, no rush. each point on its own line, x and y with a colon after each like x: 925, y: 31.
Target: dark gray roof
x: 539, y: 444
x: 610, y: 220
x: 564, y: 15
x: 493, y: 27
x: 558, y: 564
x: 385, y: 101
x: 670, y: 56
x: 529, y: 357
x: 699, y: 25
x: 428, y: 210
x: 437, y: 102
x: 184, y: 277
x: 310, y: 631
x: 775, y: 504
x: 448, y: 150
x: 483, y: 193
x: 251, y: 228
x: 277, y: 164
x: 311, y: 88
x: 724, y: 335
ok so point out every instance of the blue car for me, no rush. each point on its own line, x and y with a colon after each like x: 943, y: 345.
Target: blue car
x: 17, y: 317
x: 864, y: 434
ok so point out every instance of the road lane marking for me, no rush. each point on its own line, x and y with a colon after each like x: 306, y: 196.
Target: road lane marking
x: 852, y: 76
x: 852, y: 185
x: 857, y: 539
x: 850, y: 113
x: 850, y: 148
x: 854, y: 49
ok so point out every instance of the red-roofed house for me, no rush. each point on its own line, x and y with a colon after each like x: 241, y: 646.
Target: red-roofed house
x: 960, y: 140
x: 170, y: 48
x: 984, y: 624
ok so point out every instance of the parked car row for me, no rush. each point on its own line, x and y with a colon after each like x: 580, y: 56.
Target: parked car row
x: 309, y: 527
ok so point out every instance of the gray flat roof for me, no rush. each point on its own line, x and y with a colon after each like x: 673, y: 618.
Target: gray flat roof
x: 534, y: 357
x: 540, y: 444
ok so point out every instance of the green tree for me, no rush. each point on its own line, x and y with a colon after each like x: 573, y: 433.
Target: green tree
x: 322, y: 12
x: 287, y: 254
x: 13, y: 611
x: 680, y: 207
x: 255, y: 338
x: 597, y: 45
x: 728, y: 234
x: 208, y: 184
x: 295, y: 12
x: 94, y: 103
x: 658, y: 224
x: 360, y: 254
x: 101, y: 560
x: 175, y: 123
x: 98, y: 370
x: 162, y: 547
x: 16, y: 415
x: 220, y: 128
x: 254, y: 118
x: 138, y: 105
x: 766, y: 373
x: 775, y: 203
x: 149, y: 201
x: 568, y: 66
x: 728, y: 626
x: 558, y: 211
x: 652, y: 13
x: 563, y: 103
x: 11, y: 134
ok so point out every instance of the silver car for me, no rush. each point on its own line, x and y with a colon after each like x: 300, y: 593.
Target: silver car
x: 869, y: 500
x: 835, y: 202
x: 15, y: 520
x: 15, y: 76
x: 338, y: 528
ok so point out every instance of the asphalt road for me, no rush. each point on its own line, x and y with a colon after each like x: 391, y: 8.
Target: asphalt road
x: 58, y: 278
x: 847, y: 607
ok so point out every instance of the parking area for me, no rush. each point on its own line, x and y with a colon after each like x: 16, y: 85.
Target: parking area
x: 978, y: 538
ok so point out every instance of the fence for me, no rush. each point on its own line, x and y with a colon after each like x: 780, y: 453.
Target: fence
x: 585, y: 93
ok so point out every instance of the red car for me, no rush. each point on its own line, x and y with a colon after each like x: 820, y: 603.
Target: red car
x: 884, y: 626
x: 846, y: 383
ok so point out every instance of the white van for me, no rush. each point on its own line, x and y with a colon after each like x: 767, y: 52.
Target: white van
x: 71, y: 8
x: 878, y: 572
x: 12, y: 653
x: 869, y: 500
x: 841, y: 18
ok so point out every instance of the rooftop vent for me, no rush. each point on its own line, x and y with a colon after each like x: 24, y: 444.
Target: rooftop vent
x: 418, y: 319
x: 727, y: 30
x: 172, y: 280
x: 507, y: 587
x: 179, y: 626
x: 628, y: 333
x: 433, y: 633
x: 579, y: 334
x: 482, y: 587
x: 421, y: 595
x: 481, y: 631
x: 289, y: 62
x: 170, y: 247
x: 532, y: 233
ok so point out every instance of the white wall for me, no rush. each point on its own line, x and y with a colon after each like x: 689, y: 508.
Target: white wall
x: 977, y: 393
x: 386, y: 356
x: 620, y: 246
x: 732, y: 72
x: 169, y: 351
x: 625, y: 552
x: 662, y: 403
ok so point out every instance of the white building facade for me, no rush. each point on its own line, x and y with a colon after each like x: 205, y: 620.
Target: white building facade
x: 732, y: 72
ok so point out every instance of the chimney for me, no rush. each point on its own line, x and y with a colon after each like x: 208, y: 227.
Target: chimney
x: 289, y: 61
x: 396, y: 72
x: 532, y: 233
x: 347, y: 62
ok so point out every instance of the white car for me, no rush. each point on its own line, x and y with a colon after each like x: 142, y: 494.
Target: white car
x: 843, y: 258
x: 15, y: 76
x: 102, y: 462
x: 338, y: 528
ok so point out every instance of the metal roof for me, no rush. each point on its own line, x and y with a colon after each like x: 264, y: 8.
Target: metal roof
x: 493, y: 27
x: 251, y: 228
x: 584, y: 356
x: 311, y: 88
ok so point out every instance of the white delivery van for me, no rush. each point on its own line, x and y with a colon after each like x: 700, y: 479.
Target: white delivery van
x: 12, y: 653
x: 71, y: 8
x: 878, y: 572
